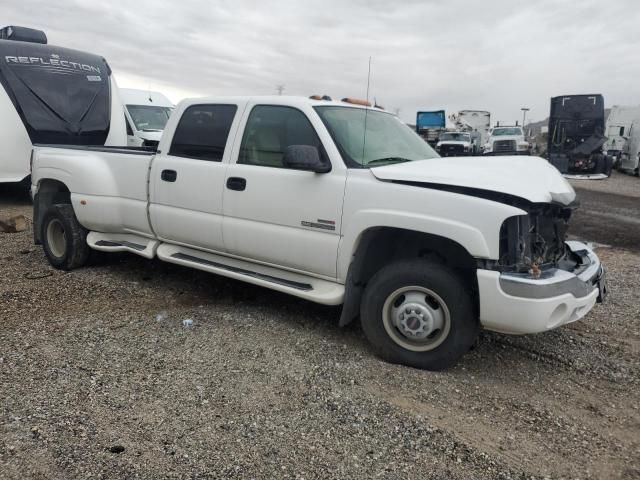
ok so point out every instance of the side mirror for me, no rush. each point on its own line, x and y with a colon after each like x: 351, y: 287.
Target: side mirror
x: 305, y: 157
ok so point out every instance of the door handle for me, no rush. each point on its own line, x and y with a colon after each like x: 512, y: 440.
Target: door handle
x: 169, y: 175
x: 236, y: 183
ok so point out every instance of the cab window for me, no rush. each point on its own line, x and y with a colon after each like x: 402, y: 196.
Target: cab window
x: 203, y: 131
x: 270, y: 130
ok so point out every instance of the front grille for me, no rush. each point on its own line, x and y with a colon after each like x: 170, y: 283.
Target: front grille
x: 451, y: 149
x: 504, y: 146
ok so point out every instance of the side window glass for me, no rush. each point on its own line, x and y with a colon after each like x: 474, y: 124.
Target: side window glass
x: 270, y: 130
x: 202, y: 132
x: 129, y: 129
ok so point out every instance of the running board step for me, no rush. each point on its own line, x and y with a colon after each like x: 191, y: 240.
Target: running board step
x: 297, y: 284
x: 268, y: 278
x: 123, y: 242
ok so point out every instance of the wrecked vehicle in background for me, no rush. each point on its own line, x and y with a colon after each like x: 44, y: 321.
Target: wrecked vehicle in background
x: 576, y: 136
x: 454, y: 144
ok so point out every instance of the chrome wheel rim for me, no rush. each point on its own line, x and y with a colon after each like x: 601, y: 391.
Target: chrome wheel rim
x: 416, y: 318
x: 56, y: 238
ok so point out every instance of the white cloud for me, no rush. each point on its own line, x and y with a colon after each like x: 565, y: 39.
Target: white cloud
x: 497, y: 55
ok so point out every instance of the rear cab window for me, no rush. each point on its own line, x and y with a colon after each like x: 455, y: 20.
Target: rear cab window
x: 202, y: 132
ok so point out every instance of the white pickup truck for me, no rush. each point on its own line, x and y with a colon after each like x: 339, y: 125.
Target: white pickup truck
x: 336, y: 203
x: 506, y: 141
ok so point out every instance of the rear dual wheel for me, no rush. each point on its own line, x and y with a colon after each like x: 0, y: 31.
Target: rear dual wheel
x: 419, y: 313
x: 64, y: 240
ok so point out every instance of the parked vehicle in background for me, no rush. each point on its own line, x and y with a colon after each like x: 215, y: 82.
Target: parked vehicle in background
x: 430, y: 124
x: 454, y: 144
x: 52, y: 95
x: 630, y: 156
x: 617, y: 129
x: 506, y: 140
x: 337, y: 203
x: 477, y: 123
x: 146, y: 115
x: 576, y: 136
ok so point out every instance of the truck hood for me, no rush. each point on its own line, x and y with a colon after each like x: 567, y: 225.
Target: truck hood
x: 531, y: 178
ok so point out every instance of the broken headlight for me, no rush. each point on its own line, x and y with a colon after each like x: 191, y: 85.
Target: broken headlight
x: 536, y: 241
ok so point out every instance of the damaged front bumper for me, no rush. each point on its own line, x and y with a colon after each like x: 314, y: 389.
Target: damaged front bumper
x: 517, y: 303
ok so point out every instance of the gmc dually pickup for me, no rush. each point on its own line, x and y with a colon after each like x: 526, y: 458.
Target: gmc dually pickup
x: 335, y: 203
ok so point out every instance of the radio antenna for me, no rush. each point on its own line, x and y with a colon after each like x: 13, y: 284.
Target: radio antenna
x: 366, y: 112
x: 368, y: 78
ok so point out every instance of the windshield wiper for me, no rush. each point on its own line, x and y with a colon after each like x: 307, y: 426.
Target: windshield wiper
x: 388, y: 161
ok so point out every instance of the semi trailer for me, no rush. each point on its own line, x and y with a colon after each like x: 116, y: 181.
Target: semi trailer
x: 576, y: 136
x: 430, y: 124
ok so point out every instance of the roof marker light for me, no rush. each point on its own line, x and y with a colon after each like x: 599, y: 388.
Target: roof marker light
x: 356, y: 101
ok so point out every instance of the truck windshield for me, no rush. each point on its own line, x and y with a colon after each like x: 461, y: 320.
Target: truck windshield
x: 458, y: 137
x: 384, y: 141
x: 497, y: 132
x: 147, y: 118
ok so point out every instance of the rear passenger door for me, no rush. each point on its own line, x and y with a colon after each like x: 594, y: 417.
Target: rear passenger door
x: 277, y: 215
x: 186, y: 182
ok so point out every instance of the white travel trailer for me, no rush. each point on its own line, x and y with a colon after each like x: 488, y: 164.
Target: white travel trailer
x: 146, y: 114
x: 618, y: 127
x: 52, y: 95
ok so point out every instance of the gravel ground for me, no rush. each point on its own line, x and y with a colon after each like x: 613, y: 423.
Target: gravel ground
x: 618, y: 183
x: 609, y: 211
x: 99, y: 379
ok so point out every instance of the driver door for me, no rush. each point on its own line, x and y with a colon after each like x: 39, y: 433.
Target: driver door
x: 277, y: 215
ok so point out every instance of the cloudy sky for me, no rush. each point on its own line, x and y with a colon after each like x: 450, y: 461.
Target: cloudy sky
x: 492, y: 55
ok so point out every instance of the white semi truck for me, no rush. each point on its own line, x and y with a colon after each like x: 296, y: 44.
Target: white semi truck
x: 336, y: 203
x: 52, y: 95
x: 618, y: 129
x: 630, y: 154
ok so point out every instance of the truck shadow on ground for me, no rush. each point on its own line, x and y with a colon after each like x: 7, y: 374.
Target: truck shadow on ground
x: 14, y: 196
x: 189, y: 289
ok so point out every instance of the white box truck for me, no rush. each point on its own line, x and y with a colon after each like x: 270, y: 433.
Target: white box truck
x: 146, y: 114
x: 477, y: 123
x: 52, y: 95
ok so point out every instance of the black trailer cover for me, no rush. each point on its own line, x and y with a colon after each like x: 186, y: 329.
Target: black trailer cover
x: 63, y: 96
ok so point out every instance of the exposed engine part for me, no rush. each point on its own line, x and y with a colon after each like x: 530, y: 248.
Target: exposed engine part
x: 535, y: 242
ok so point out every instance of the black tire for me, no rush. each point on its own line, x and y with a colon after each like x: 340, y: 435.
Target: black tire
x: 608, y: 165
x: 64, y: 240
x: 444, y: 283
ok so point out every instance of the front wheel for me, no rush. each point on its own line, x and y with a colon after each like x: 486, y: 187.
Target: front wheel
x: 64, y: 240
x: 419, y: 313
